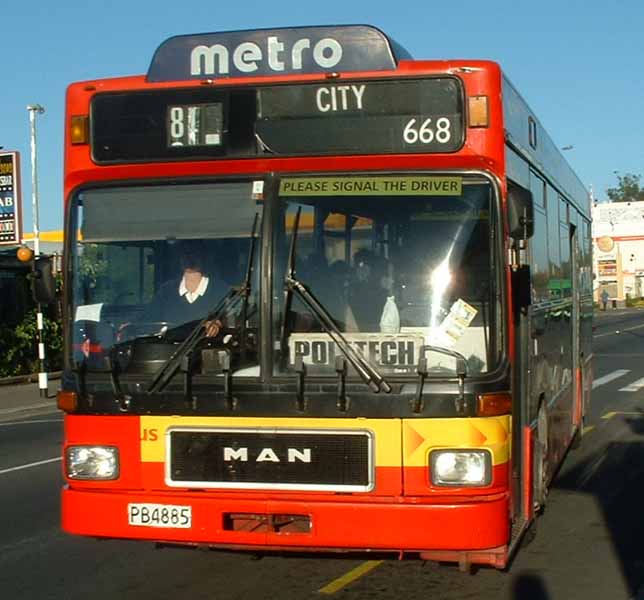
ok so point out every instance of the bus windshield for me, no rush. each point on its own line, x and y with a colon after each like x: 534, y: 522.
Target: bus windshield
x: 148, y: 259
x: 404, y: 266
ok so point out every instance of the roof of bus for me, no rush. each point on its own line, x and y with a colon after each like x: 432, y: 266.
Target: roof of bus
x: 405, y: 68
x: 300, y: 49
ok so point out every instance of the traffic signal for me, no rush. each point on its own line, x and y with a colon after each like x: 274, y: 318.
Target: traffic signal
x: 43, y: 283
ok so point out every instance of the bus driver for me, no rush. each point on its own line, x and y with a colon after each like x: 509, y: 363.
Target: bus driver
x: 191, y: 296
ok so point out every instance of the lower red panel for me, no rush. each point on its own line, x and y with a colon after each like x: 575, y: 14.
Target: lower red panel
x: 473, y: 525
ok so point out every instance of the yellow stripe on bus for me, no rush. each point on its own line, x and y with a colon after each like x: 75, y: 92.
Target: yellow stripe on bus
x: 386, y: 432
x: 420, y: 436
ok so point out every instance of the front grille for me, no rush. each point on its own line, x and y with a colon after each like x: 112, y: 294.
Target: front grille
x: 277, y: 459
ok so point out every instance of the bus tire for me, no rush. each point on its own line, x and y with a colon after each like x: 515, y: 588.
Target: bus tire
x: 540, y: 471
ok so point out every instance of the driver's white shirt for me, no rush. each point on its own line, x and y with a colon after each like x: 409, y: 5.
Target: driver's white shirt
x: 192, y: 296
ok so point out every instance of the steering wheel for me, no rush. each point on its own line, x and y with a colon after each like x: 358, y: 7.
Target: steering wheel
x: 139, y: 329
x: 228, y: 337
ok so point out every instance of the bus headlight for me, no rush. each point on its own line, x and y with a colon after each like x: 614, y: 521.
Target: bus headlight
x: 92, y: 462
x: 460, y: 467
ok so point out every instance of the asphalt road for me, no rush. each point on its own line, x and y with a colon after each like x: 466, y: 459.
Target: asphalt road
x: 588, y: 543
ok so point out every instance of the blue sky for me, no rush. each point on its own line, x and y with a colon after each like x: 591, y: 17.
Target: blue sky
x: 578, y: 63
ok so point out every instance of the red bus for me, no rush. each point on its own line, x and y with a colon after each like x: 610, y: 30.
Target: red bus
x: 396, y: 262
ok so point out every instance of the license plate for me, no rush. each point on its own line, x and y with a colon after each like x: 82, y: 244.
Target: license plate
x: 160, y: 515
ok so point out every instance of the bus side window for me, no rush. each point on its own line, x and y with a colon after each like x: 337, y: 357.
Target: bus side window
x: 539, y: 257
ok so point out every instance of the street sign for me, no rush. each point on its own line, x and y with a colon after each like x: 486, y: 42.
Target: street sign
x: 10, y: 199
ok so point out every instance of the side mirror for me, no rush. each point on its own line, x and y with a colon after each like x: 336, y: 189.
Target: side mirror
x: 43, y: 284
x: 521, y: 287
x: 520, y: 212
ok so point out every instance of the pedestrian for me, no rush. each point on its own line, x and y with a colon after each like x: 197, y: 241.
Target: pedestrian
x: 604, y: 297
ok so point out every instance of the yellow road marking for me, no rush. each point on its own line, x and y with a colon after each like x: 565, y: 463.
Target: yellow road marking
x: 610, y: 415
x: 347, y: 578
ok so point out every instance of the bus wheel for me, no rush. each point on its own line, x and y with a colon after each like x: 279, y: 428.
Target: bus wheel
x: 541, y: 460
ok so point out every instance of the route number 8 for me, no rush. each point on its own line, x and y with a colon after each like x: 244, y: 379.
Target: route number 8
x: 177, y: 128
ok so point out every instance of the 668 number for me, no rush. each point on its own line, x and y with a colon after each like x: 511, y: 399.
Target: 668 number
x: 426, y: 132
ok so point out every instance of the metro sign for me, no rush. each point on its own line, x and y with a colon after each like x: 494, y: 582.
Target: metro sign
x: 274, y: 52
x: 248, y: 56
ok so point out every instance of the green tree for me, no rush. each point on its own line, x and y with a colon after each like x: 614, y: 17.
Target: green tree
x: 20, y: 355
x: 628, y: 189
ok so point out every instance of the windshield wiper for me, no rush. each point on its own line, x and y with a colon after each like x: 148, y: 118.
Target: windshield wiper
x: 423, y: 372
x: 80, y: 370
x: 198, y: 333
x: 246, y: 287
x: 292, y: 284
x: 196, y: 336
x: 112, y: 367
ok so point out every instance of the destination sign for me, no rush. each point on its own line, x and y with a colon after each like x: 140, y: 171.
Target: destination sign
x: 195, y: 125
x: 359, y: 117
x: 413, y: 115
x: 274, y: 52
x: 10, y: 200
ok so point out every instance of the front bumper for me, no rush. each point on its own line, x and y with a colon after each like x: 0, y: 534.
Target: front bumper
x: 391, y: 525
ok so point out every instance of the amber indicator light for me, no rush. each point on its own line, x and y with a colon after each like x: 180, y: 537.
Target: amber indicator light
x: 67, y: 401
x: 493, y: 405
x: 478, y: 112
x: 79, y: 129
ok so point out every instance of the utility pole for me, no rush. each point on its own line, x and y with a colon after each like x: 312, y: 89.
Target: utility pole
x: 35, y: 109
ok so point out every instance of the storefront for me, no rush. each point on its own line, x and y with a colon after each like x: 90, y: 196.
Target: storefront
x: 618, y: 251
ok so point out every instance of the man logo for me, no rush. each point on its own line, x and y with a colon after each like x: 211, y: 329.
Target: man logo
x: 267, y: 455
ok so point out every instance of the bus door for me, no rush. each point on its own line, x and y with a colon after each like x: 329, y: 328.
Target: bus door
x: 523, y: 410
x: 521, y: 413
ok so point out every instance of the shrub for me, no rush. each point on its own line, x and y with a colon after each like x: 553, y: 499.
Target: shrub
x: 19, y: 354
